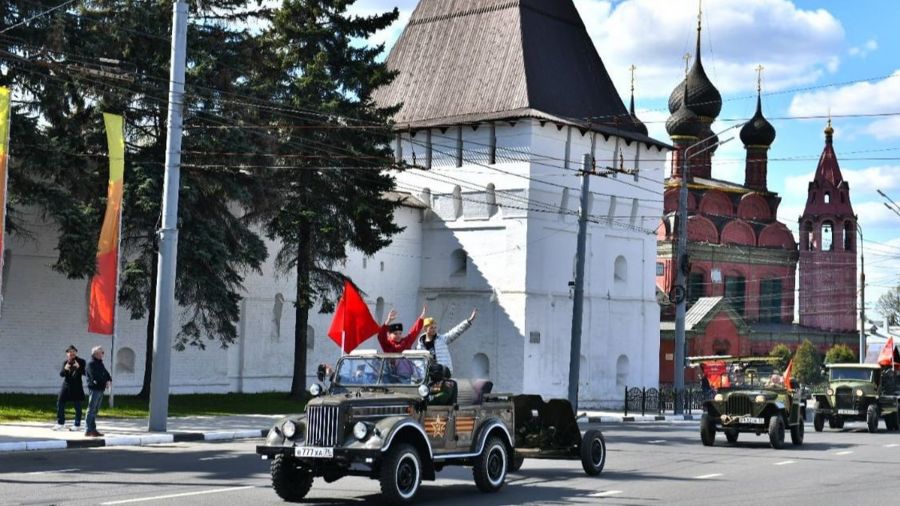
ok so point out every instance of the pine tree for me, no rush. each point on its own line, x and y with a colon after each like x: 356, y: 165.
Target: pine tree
x: 783, y: 353
x: 113, y: 56
x: 332, y: 197
x: 807, y: 366
x: 840, y: 354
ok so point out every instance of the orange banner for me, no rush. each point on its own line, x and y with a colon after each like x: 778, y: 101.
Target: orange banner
x: 101, y: 317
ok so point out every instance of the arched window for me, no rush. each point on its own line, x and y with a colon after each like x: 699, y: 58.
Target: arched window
x: 458, y: 262
x: 848, y: 236
x: 827, y: 198
x: 457, y: 202
x: 622, y: 367
x: 277, y: 309
x: 481, y: 366
x: 735, y: 289
x: 379, y: 309
x: 806, y: 237
x: 827, y: 236
x: 491, y: 199
x: 696, y: 287
x: 125, y: 360
x: 620, y: 270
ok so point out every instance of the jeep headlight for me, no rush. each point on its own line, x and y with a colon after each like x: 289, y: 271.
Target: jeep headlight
x: 289, y: 429
x: 719, y: 398
x: 360, y: 430
x: 760, y: 399
x: 315, y: 389
x: 423, y: 391
x: 830, y: 391
x: 859, y: 392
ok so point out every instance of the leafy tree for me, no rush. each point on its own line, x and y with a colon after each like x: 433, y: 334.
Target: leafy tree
x: 840, y: 354
x: 113, y: 56
x: 889, y: 306
x: 319, y: 209
x: 807, y: 366
x: 783, y: 353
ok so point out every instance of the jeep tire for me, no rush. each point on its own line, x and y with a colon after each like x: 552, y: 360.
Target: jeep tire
x: 872, y: 418
x: 797, y: 433
x: 707, y: 430
x: 401, y: 474
x: 776, y: 432
x: 290, y: 481
x: 731, y: 435
x: 490, y: 467
x: 515, y: 463
x: 819, y: 422
x: 593, y: 452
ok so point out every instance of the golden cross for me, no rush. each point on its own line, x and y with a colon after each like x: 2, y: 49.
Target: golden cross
x: 759, y: 69
x: 699, y: 13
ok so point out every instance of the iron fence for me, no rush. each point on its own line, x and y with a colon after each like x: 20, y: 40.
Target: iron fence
x: 658, y: 401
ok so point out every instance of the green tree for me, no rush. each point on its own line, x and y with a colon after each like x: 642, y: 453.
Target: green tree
x: 113, y: 56
x: 889, y: 306
x: 319, y: 209
x: 840, y: 354
x: 807, y: 366
x: 783, y: 353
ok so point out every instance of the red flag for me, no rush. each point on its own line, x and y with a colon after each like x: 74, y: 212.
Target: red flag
x: 886, y: 357
x: 352, y: 323
x: 787, y: 375
x: 714, y: 372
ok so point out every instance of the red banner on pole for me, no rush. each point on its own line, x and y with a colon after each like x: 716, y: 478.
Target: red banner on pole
x: 352, y: 323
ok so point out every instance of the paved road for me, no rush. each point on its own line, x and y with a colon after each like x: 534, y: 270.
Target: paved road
x: 648, y: 464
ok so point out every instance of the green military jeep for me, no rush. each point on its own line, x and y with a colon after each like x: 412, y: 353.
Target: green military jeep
x: 752, y: 400
x: 378, y: 418
x: 858, y: 392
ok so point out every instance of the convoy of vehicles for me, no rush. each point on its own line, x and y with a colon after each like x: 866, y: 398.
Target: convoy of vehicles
x: 863, y: 392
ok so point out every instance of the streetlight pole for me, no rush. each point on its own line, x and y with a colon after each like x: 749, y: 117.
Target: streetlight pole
x: 862, y: 297
x: 681, y: 260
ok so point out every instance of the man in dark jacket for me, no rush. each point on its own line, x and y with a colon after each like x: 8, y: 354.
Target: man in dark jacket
x: 98, y: 380
x: 72, y: 371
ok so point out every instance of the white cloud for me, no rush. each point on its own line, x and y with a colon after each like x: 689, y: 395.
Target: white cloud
x: 863, y: 50
x: 796, y: 46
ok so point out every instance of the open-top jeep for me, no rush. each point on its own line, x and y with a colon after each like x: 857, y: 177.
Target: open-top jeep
x: 751, y: 399
x: 858, y: 392
x: 379, y: 418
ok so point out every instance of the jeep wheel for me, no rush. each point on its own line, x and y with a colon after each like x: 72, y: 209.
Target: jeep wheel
x: 593, y: 452
x: 290, y: 481
x: 490, y: 467
x: 776, y: 432
x: 797, y: 433
x: 872, y: 418
x: 839, y: 422
x: 401, y: 474
x: 731, y: 435
x: 819, y: 422
x: 515, y: 463
x: 707, y: 430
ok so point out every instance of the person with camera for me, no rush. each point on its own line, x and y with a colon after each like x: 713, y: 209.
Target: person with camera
x: 98, y: 381
x: 73, y: 369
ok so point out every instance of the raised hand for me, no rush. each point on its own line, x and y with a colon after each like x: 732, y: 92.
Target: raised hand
x: 473, y: 315
x: 392, y: 315
x: 424, y: 310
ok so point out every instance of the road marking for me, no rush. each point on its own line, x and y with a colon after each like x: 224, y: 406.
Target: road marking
x: 785, y: 462
x: 892, y: 445
x: 657, y: 441
x: 53, y: 471
x: 171, y: 496
x: 707, y: 476
x: 221, y: 457
x: 606, y: 493
x: 845, y: 452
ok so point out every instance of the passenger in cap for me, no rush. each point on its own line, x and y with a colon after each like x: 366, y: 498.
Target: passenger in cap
x: 390, y: 335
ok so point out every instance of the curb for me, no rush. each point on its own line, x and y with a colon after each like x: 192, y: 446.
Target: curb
x: 141, y: 440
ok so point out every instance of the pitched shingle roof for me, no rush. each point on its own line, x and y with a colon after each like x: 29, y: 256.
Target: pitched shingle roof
x: 462, y: 61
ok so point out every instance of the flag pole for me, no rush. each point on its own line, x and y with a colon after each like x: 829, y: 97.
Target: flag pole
x: 112, y: 351
x: 5, y: 164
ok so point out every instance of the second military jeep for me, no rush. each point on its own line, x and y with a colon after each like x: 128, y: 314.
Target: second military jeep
x: 377, y: 419
x: 858, y: 392
x: 753, y: 401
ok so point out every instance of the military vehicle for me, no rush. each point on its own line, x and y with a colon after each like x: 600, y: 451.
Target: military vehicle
x: 385, y: 416
x: 862, y: 392
x: 751, y: 399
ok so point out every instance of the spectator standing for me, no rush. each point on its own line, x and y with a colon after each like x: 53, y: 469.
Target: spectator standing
x: 72, y: 390
x: 98, y: 380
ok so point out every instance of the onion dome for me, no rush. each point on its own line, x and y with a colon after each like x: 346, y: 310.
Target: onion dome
x: 683, y: 123
x: 637, y: 124
x: 758, y: 131
x: 702, y: 97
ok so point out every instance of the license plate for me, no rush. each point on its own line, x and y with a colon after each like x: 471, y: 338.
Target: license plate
x: 847, y: 412
x: 314, y: 452
x: 752, y: 419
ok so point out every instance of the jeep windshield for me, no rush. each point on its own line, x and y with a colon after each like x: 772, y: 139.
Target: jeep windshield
x: 850, y: 374
x: 377, y: 371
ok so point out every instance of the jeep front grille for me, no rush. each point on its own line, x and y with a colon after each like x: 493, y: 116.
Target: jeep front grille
x: 737, y: 405
x: 323, y: 425
x: 844, y: 398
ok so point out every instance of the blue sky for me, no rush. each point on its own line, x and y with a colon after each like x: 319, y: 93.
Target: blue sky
x: 818, y: 56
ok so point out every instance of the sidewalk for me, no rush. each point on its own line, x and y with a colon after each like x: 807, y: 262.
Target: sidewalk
x: 24, y: 436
